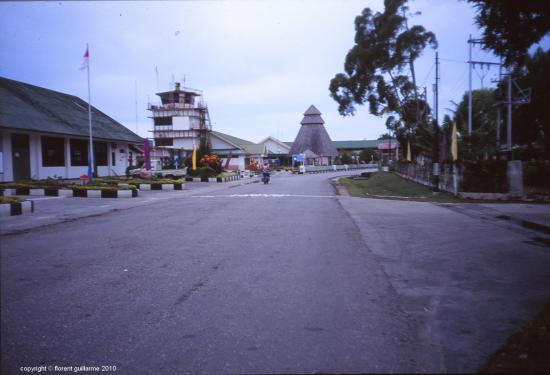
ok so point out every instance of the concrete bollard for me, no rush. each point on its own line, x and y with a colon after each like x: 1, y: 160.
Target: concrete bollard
x: 515, y: 177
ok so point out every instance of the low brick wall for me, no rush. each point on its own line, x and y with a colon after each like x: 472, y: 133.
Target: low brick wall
x: 212, y: 179
x: 160, y: 186
x: 105, y: 193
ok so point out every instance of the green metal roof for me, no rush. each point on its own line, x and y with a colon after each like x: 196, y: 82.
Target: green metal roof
x: 352, y: 145
x: 356, y: 145
x: 248, y: 146
x: 32, y: 108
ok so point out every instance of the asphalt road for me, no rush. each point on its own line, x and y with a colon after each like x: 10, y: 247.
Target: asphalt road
x: 278, y: 278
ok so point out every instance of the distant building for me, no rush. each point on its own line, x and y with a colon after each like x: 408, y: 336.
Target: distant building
x: 236, y: 153
x: 180, y: 121
x: 314, y: 139
x: 44, y: 133
x: 354, y: 147
x: 277, y: 151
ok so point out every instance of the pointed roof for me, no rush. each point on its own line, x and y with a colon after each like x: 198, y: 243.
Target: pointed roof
x: 312, y: 110
x: 312, y: 116
x: 313, y: 136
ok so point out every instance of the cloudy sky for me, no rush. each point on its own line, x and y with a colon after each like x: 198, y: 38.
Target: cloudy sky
x: 259, y: 63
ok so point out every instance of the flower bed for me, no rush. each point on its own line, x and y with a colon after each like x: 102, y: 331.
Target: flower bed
x: 146, y: 184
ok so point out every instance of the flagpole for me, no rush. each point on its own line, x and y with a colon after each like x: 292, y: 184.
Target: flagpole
x: 91, y: 146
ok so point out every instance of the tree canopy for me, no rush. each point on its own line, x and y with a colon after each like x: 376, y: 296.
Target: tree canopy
x: 530, y: 123
x: 511, y: 27
x: 483, y: 138
x: 379, y: 69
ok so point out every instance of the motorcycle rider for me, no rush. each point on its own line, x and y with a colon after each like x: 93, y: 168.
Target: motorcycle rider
x: 265, y: 171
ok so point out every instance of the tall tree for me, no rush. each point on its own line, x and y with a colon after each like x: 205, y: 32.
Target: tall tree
x: 530, y: 121
x: 511, y: 27
x: 379, y: 69
x: 483, y: 138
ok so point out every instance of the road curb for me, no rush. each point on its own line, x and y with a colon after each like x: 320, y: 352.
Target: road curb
x: 15, y: 209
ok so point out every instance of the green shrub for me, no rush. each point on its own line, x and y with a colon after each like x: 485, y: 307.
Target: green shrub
x: 206, y: 172
x: 5, y: 200
x: 485, y: 176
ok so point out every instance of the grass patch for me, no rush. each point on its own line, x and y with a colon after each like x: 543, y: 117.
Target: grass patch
x: 391, y: 186
x: 526, y: 351
x: 6, y: 200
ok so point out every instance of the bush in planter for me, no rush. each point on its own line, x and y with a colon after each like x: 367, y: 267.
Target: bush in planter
x: 253, y: 167
x: 7, y: 200
x: 206, y: 172
x: 211, y: 161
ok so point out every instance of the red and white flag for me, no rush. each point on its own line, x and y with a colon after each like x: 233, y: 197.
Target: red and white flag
x: 86, y: 60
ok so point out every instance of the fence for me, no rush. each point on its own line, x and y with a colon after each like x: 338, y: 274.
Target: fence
x: 450, y: 177
x: 344, y: 167
x: 482, y: 176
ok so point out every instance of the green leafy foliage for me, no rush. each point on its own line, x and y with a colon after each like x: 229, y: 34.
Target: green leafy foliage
x: 530, y: 121
x: 8, y: 200
x: 368, y: 155
x: 374, y: 68
x: 482, y: 142
x: 206, y: 172
x: 379, y: 69
x: 511, y: 27
x: 345, y: 158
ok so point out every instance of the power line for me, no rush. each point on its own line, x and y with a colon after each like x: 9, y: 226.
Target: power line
x: 455, y: 61
x: 427, y: 75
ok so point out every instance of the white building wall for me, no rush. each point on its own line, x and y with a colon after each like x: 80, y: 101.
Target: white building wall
x: 180, y: 123
x: 186, y: 144
x: 37, y: 171
x: 35, y: 149
x: 235, y: 162
x: 275, y: 148
x: 219, y: 144
x: 6, y: 170
x: 121, y: 151
x: 52, y: 172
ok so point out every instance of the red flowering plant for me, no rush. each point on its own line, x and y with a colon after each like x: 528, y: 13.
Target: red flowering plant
x: 253, y: 166
x: 211, y: 161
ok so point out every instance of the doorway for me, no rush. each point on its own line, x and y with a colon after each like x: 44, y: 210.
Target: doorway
x: 20, y: 157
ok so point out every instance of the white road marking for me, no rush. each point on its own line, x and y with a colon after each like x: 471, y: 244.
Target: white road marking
x: 263, y: 196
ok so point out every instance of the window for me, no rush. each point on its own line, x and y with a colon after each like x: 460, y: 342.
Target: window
x: 113, y: 158
x: 163, y: 120
x: 53, y: 152
x: 100, y: 153
x: 79, y: 152
x: 164, y: 142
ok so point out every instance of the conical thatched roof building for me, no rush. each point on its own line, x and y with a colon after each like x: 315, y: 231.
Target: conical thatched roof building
x: 313, y: 136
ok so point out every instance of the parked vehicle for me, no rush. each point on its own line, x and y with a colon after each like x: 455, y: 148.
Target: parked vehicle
x: 157, y: 171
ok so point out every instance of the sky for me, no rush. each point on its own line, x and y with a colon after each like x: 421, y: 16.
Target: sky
x: 260, y: 64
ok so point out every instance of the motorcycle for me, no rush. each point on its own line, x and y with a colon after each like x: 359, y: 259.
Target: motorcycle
x: 265, y: 178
